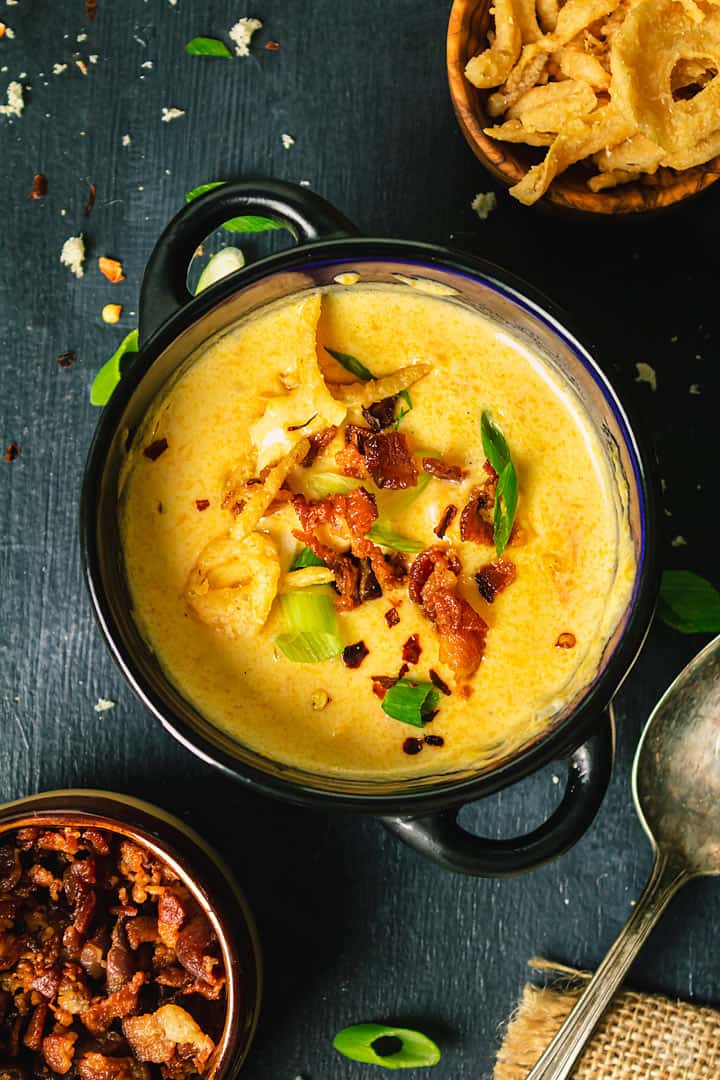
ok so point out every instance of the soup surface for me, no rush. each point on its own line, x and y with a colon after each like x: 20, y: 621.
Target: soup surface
x: 238, y: 471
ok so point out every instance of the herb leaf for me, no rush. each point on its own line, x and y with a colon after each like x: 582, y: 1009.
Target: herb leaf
x: 206, y: 46
x: 306, y: 557
x: 224, y: 262
x: 416, y: 1050
x: 383, y: 533
x: 689, y: 603
x: 497, y: 452
x: 110, y: 374
x: 248, y: 223
x: 351, y: 364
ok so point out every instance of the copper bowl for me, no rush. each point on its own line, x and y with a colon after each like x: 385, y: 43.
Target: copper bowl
x: 198, y: 867
x: 509, y: 162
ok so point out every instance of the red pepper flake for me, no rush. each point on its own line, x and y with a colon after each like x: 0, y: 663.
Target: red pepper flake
x: 39, y: 186
x: 202, y: 504
x: 439, y: 682
x: 272, y: 46
x: 434, y: 740
x: 155, y: 449
x: 566, y: 641
x: 353, y: 655
x: 412, y: 746
x: 392, y: 617
x: 90, y: 200
x: 495, y: 577
x: 12, y: 453
x: 445, y: 521
x: 90, y: 9
x: 66, y: 359
x: 442, y: 470
x: 403, y: 671
x: 411, y: 650
x: 381, y: 684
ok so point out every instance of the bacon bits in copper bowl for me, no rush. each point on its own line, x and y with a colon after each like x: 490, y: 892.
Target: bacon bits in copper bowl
x: 126, y: 950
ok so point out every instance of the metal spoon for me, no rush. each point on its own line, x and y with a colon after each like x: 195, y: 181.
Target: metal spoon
x: 676, y: 787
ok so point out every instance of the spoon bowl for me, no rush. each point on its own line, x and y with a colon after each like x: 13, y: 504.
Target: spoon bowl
x: 676, y: 787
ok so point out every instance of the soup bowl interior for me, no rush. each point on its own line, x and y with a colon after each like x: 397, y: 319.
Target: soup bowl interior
x: 171, y: 352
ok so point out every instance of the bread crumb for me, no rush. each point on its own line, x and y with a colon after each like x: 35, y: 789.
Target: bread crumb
x: 694, y: 389
x: 111, y: 313
x: 9, y: 33
x: 678, y: 541
x: 59, y: 68
x: 646, y: 374
x: 73, y: 255
x: 93, y: 59
x: 126, y: 140
x: 103, y: 704
x: 304, y: 183
x: 484, y: 203
x: 147, y: 64
x: 15, y: 103
x: 287, y: 140
x: 171, y: 114
x: 81, y: 37
x: 241, y: 34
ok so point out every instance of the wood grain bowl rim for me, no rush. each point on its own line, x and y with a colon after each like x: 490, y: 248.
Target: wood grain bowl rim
x: 504, y: 161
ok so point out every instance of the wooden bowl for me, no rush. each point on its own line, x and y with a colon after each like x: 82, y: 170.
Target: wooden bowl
x: 508, y: 162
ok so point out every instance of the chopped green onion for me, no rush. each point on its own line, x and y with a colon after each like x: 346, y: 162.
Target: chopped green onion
x: 497, y: 452
x: 411, y: 702
x: 320, y: 484
x: 110, y: 374
x: 382, y: 533
x: 219, y: 266
x: 351, y: 364
x: 248, y: 223
x: 358, y: 1043
x: 206, y: 46
x: 306, y: 557
x: 689, y: 603
x: 405, y: 395
x: 311, y: 631
x: 399, y: 501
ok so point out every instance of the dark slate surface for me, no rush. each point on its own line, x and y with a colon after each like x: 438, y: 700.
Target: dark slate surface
x: 354, y: 926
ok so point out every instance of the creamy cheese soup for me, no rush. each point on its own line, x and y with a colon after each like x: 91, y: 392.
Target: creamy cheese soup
x: 219, y: 498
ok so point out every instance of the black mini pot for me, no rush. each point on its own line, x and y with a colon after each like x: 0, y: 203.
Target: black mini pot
x: 422, y: 811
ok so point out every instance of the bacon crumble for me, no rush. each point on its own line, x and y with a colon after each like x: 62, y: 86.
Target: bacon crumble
x: 93, y: 190
x: 66, y: 359
x: 12, y: 452
x: 446, y: 521
x: 461, y: 630
x: 381, y: 414
x: 494, y: 578
x: 39, y: 186
x: 202, y: 504
x: 441, y: 470
x: 566, y: 640
x: 476, y: 520
x: 318, y: 443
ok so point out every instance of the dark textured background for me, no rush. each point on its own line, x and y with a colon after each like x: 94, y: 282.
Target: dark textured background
x: 354, y: 926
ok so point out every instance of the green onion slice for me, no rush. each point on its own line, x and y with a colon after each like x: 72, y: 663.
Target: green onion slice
x: 110, y: 374
x: 320, y: 484
x: 311, y: 630
x: 689, y: 603
x: 306, y: 557
x: 206, y: 46
x: 248, y: 223
x: 411, y: 702
x: 497, y: 452
x: 351, y: 364
x: 382, y: 533
x: 416, y: 1050
x: 219, y: 266
x: 402, y: 413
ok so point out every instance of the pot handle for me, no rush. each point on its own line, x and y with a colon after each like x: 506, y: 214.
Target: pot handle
x: 306, y: 215
x: 442, y: 839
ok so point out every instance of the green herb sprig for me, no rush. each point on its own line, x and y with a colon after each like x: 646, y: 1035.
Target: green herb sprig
x: 497, y: 452
x: 351, y: 364
x: 206, y: 46
x: 689, y: 603
x: 416, y: 1051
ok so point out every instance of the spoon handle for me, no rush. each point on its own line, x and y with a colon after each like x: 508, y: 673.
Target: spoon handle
x: 563, y: 1052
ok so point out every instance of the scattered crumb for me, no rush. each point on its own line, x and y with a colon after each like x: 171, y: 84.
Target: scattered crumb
x: 63, y: 212
x: 73, y: 255
x: 566, y: 901
x: 9, y: 33
x: 171, y: 114
x: 694, y: 389
x: 698, y: 356
x: 12, y: 452
x: 66, y: 359
x: 81, y: 37
x: 241, y: 34
x: 674, y: 339
x: 484, y: 203
x: 11, y: 3
x: 147, y: 64
x: 111, y: 313
x: 646, y: 374
x: 287, y: 140
x: 103, y: 704
x: 304, y: 183
x: 663, y: 484
x: 555, y: 779
x: 59, y: 68
x: 126, y: 140
x: 15, y: 103
x: 84, y: 68
x: 172, y: 3
x: 93, y: 59
x: 678, y: 541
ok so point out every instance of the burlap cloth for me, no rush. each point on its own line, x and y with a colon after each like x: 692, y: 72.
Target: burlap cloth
x: 641, y: 1037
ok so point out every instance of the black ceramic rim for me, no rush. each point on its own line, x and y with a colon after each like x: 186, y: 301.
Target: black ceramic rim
x: 557, y: 743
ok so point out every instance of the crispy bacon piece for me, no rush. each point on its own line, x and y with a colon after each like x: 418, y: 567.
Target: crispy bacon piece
x: 47, y: 982
x: 442, y: 470
x: 411, y: 650
x: 476, y: 520
x: 66, y: 840
x: 147, y: 1039
x: 175, y: 907
x: 34, y: 1031
x: 318, y: 442
x: 73, y: 995
x: 461, y: 631
x: 120, y: 960
x: 142, y: 929
x: 11, y: 949
x: 10, y: 867
x: 58, y: 1050
x: 350, y: 462
x: 566, y: 640
x: 97, y: 841
x: 94, y: 1066
x: 495, y: 577
x: 351, y: 516
x: 389, y: 461
x: 445, y: 521
x: 381, y: 414
x: 123, y: 1002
